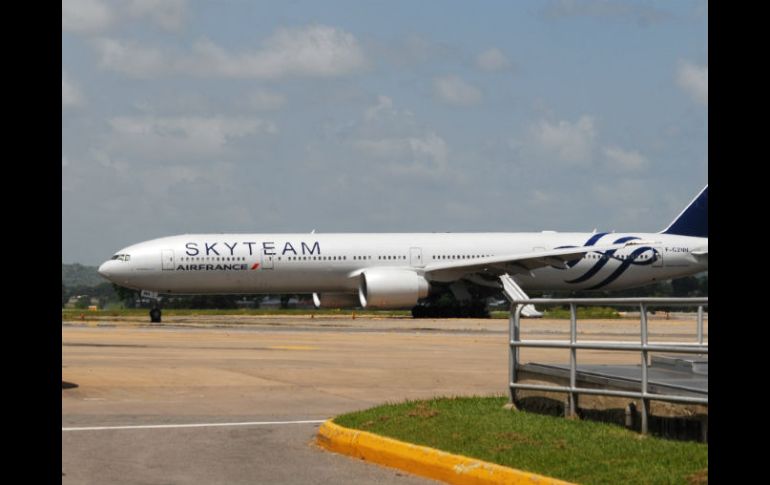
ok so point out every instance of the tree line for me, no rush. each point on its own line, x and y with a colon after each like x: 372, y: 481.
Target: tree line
x: 110, y: 294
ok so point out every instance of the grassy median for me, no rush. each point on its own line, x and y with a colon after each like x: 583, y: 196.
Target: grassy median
x: 577, y: 451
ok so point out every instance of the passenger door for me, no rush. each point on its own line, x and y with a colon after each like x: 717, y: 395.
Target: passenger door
x: 415, y: 257
x: 167, y: 256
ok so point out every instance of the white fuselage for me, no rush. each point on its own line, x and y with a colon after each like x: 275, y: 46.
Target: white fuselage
x: 307, y: 263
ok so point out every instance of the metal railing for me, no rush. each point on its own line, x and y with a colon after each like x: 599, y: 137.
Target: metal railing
x: 644, y: 347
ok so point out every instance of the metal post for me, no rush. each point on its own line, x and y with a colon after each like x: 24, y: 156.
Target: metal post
x: 572, y: 411
x: 511, y: 350
x: 645, y: 401
x: 513, y: 355
x: 630, y: 415
x: 700, y: 324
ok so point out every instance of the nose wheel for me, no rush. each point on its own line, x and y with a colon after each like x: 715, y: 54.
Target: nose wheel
x: 155, y: 315
x: 155, y: 299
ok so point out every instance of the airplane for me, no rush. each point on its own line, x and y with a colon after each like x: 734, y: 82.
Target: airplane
x: 400, y: 270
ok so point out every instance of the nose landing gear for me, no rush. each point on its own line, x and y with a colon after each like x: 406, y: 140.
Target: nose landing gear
x: 155, y: 313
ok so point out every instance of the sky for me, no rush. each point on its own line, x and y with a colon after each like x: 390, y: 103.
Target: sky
x: 182, y: 116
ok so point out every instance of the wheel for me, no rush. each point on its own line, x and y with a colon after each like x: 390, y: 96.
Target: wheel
x: 155, y: 315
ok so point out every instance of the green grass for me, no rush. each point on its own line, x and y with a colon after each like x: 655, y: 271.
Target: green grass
x: 74, y: 313
x: 582, y: 312
x: 578, y: 451
x: 563, y: 313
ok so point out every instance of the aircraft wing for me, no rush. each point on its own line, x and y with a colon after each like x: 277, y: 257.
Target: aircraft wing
x: 511, y: 264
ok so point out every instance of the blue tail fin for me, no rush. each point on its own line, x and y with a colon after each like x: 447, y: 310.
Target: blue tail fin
x: 694, y: 220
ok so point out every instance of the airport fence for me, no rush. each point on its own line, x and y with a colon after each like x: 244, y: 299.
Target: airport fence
x: 644, y: 347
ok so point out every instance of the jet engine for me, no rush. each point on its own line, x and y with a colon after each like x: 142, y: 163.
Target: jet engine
x: 391, y: 289
x: 335, y: 300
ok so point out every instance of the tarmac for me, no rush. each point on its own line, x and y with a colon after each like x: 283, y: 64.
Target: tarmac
x: 229, y: 399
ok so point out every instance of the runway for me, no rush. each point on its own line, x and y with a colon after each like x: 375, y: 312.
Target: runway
x: 237, y: 400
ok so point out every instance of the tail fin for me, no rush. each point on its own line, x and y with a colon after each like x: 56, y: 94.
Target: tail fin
x: 694, y: 220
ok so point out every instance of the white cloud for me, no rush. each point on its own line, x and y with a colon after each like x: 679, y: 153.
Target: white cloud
x: 492, y: 60
x: 132, y: 59
x: 624, y: 160
x: 85, y: 16
x: 70, y: 94
x: 314, y: 51
x: 426, y: 154
x: 193, y: 137
x: 569, y: 142
x: 266, y: 100
x: 384, y: 107
x: 169, y: 14
x: 455, y: 91
x: 391, y: 138
x: 695, y: 81
x: 96, y: 16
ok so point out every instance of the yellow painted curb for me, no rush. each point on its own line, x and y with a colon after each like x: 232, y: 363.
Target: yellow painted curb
x: 421, y: 460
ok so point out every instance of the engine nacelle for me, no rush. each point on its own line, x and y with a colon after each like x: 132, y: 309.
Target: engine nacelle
x: 391, y: 289
x: 335, y: 300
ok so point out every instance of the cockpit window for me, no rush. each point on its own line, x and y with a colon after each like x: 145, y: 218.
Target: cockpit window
x: 121, y: 257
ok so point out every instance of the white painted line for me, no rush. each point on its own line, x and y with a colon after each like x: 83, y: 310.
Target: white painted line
x: 195, y: 425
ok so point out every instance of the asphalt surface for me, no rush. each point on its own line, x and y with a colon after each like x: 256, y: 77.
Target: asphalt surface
x: 262, y: 370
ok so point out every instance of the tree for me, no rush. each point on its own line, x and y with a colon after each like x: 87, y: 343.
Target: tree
x: 64, y: 294
x: 704, y: 285
x: 124, y: 294
x: 687, y: 286
x: 83, y: 302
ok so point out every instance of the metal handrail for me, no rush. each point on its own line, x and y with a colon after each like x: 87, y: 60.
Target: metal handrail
x: 644, y: 347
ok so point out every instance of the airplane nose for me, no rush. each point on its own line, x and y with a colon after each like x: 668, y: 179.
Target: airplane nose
x: 104, y: 270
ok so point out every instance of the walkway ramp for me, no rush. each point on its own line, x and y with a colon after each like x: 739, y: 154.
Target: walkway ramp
x: 514, y: 292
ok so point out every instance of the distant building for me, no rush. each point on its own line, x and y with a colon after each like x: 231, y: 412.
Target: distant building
x: 74, y: 300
